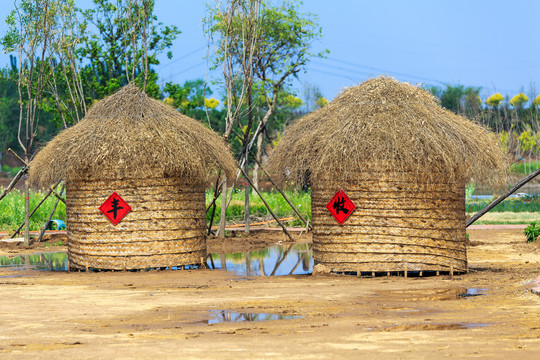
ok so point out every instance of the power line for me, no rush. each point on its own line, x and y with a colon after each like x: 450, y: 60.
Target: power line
x: 186, y: 69
x: 333, y: 74
x: 387, y: 71
x: 181, y: 57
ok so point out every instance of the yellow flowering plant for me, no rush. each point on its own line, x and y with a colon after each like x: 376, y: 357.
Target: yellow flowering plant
x: 494, y: 100
x: 536, y: 101
x: 519, y: 100
x: 211, y: 103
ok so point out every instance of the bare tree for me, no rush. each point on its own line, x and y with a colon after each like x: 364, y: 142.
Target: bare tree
x: 232, y: 27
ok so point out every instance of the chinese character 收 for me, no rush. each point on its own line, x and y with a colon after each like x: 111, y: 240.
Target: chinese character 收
x: 339, y: 205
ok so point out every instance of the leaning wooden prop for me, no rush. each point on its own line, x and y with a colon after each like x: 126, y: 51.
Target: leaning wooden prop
x: 388, y: 168
x: 135, y: 171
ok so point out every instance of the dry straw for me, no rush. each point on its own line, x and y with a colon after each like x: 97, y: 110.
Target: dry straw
x: 130, y: 135
x: 387, y: 125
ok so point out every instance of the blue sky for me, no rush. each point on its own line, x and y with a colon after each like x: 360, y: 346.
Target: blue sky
x: 490, y: 44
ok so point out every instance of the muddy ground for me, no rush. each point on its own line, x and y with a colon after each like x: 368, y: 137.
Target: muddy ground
x: 168, y: 314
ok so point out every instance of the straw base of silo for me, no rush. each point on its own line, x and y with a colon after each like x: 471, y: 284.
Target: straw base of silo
x: 165, y: 228
x: 398, y: 225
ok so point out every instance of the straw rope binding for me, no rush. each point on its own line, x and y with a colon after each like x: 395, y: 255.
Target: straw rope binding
x: 165, y: 227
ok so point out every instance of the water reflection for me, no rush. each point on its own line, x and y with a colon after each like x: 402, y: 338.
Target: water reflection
x: 274, y: 261
x: 224, y: 316
x: 46, y: 261
x: 471, y: 292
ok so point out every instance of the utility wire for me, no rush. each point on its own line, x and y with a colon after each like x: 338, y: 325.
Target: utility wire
x: 181, y: 57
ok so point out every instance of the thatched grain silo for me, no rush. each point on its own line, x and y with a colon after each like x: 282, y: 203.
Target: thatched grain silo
x: 403, y: 161
x: 135, y: 172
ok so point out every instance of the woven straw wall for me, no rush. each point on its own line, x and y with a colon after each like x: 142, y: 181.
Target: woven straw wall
x: 166, y: 226
x: 396, y: 226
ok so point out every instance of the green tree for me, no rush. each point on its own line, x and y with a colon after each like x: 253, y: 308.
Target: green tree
x: 35, y: 30
x: 284, y: 50
x: 115, y: 54
x: 9, y: 108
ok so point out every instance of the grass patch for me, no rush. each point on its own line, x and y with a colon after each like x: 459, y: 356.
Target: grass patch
x: 530, y: 203
x: 512, y: 211
x: 525, y: 167
x: 235, y: 211
x: 498, y: 218
x: 12, y: 210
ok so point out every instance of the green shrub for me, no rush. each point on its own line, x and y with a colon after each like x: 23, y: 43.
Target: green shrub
x: 10, y: 171
x: 532, y: 232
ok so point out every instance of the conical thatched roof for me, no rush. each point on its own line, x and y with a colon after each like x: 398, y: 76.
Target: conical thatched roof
x: 387, y: 125
x: 130, y: 135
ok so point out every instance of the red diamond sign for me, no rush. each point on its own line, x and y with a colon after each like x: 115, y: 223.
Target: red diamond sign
x: 340, y: 206
x: 115, y: 208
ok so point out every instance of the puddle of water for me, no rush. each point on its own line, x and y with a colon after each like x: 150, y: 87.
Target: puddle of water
x: 225, y: 316
x: 472, y: 292
x: 46, y: 261
x: 274, y: 261
x: 427, y: 327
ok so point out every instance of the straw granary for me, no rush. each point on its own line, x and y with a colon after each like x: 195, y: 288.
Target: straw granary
x: 155, y: 160
x: 404, y: 162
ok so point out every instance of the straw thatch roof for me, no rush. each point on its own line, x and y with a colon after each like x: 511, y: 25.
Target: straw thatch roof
x: 391, y: 126
x: 130, y: 135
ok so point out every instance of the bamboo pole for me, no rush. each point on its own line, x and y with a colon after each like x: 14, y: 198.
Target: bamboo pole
x: 246, y: 195
x: 14, y: 182
x: 282, y: 193
x: 33, y: 211
x: 497, y: 201
x: 18, y: 157
x: 267, y: 206
x: 58, y: 196
x: 50, y: 217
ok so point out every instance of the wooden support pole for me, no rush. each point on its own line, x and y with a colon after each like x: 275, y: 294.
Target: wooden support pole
x: 58, y: 196
x: 500, y: 199
x: 267, y: 206
x: 405, y: 272
x: 14, y: 181
x: 50, y: 217
x: 282, y: 193
x: 33, y: 211
x: 18, y: 157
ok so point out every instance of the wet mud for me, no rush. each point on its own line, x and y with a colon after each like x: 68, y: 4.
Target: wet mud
x: 488, y: 313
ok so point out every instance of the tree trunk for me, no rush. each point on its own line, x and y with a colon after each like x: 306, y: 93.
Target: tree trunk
x: 221, y: 228
x: 259, y: 160
x: 246, y: 203
x: 26, y: 209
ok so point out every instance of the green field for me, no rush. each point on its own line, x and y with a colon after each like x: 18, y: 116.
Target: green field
x: 512, y: 211
x: 12, y: 208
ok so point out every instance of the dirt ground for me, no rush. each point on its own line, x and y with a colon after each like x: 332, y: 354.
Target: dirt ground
x: 165, y: 314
